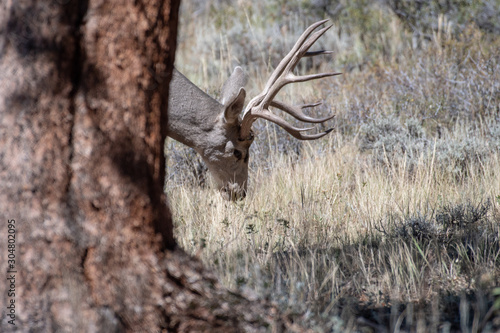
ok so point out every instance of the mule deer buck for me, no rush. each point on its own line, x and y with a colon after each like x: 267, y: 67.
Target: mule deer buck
x: 216, y: 130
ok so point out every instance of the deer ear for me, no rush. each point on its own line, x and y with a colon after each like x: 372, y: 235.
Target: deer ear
x: 233, y: 95
x: 233, y: 108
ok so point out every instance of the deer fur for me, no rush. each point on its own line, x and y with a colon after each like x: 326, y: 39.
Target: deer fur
x: 211, y: 128
x: 221, y: 132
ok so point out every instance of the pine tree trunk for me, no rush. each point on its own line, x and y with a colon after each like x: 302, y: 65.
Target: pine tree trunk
x: 86, y: 236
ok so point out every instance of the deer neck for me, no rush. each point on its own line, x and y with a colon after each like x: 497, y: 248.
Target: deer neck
x: 192, y: 114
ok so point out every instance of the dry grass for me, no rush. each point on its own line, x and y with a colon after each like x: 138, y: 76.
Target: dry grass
x: 390, y: 223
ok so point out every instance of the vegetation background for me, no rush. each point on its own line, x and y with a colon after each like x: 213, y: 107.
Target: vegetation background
x: 389, y: 223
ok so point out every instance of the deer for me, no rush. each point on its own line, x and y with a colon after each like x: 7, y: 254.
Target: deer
x: 221, y: 132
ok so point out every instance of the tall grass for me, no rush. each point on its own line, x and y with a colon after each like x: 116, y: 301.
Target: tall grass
x: 392, y: 221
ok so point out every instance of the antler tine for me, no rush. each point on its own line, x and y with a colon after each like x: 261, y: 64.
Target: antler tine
x: 296, y: 111
x: 286, y: 60
x: 282, y: 66
x: 294, y: 131
x: 314, y: 53
x: 288, y: 77
x: 258, y: 107
x: 304, y: 78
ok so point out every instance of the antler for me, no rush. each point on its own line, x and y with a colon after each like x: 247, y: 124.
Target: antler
x: 283, y: 75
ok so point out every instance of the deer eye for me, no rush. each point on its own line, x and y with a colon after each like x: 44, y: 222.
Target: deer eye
x: 237, y: 154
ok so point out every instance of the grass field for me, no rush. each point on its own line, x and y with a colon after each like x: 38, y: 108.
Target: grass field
x: 391, y: 222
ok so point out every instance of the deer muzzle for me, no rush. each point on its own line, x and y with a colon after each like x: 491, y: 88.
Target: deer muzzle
x: 233, y: 191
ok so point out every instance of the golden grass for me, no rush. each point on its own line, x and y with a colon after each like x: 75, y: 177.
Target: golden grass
x: 320, y: 200
x: 306, y: 227
x: 320, y: 231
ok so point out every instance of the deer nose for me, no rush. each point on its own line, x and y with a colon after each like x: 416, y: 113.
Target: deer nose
x: 233, y: 192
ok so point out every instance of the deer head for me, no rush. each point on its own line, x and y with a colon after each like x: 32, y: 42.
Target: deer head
x: 221, y: 132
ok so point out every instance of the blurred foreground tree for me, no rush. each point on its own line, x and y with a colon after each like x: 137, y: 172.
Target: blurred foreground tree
x: 83, y: 93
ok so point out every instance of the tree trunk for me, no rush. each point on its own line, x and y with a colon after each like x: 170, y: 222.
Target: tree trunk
x: 86, y: 236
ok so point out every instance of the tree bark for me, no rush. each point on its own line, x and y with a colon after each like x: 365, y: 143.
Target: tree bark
x: 86, y: 235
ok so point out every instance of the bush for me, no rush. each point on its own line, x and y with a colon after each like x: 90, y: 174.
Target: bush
x: 419, y: 16
x: 451, y: 225
x: 458, y: 155
x: 391, y: 143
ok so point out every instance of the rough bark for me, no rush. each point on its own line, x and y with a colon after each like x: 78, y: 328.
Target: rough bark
x: 83, y: 93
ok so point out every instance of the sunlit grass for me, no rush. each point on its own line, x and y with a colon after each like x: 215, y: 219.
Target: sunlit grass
x: 311, y: 227
x: 391, y: 220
